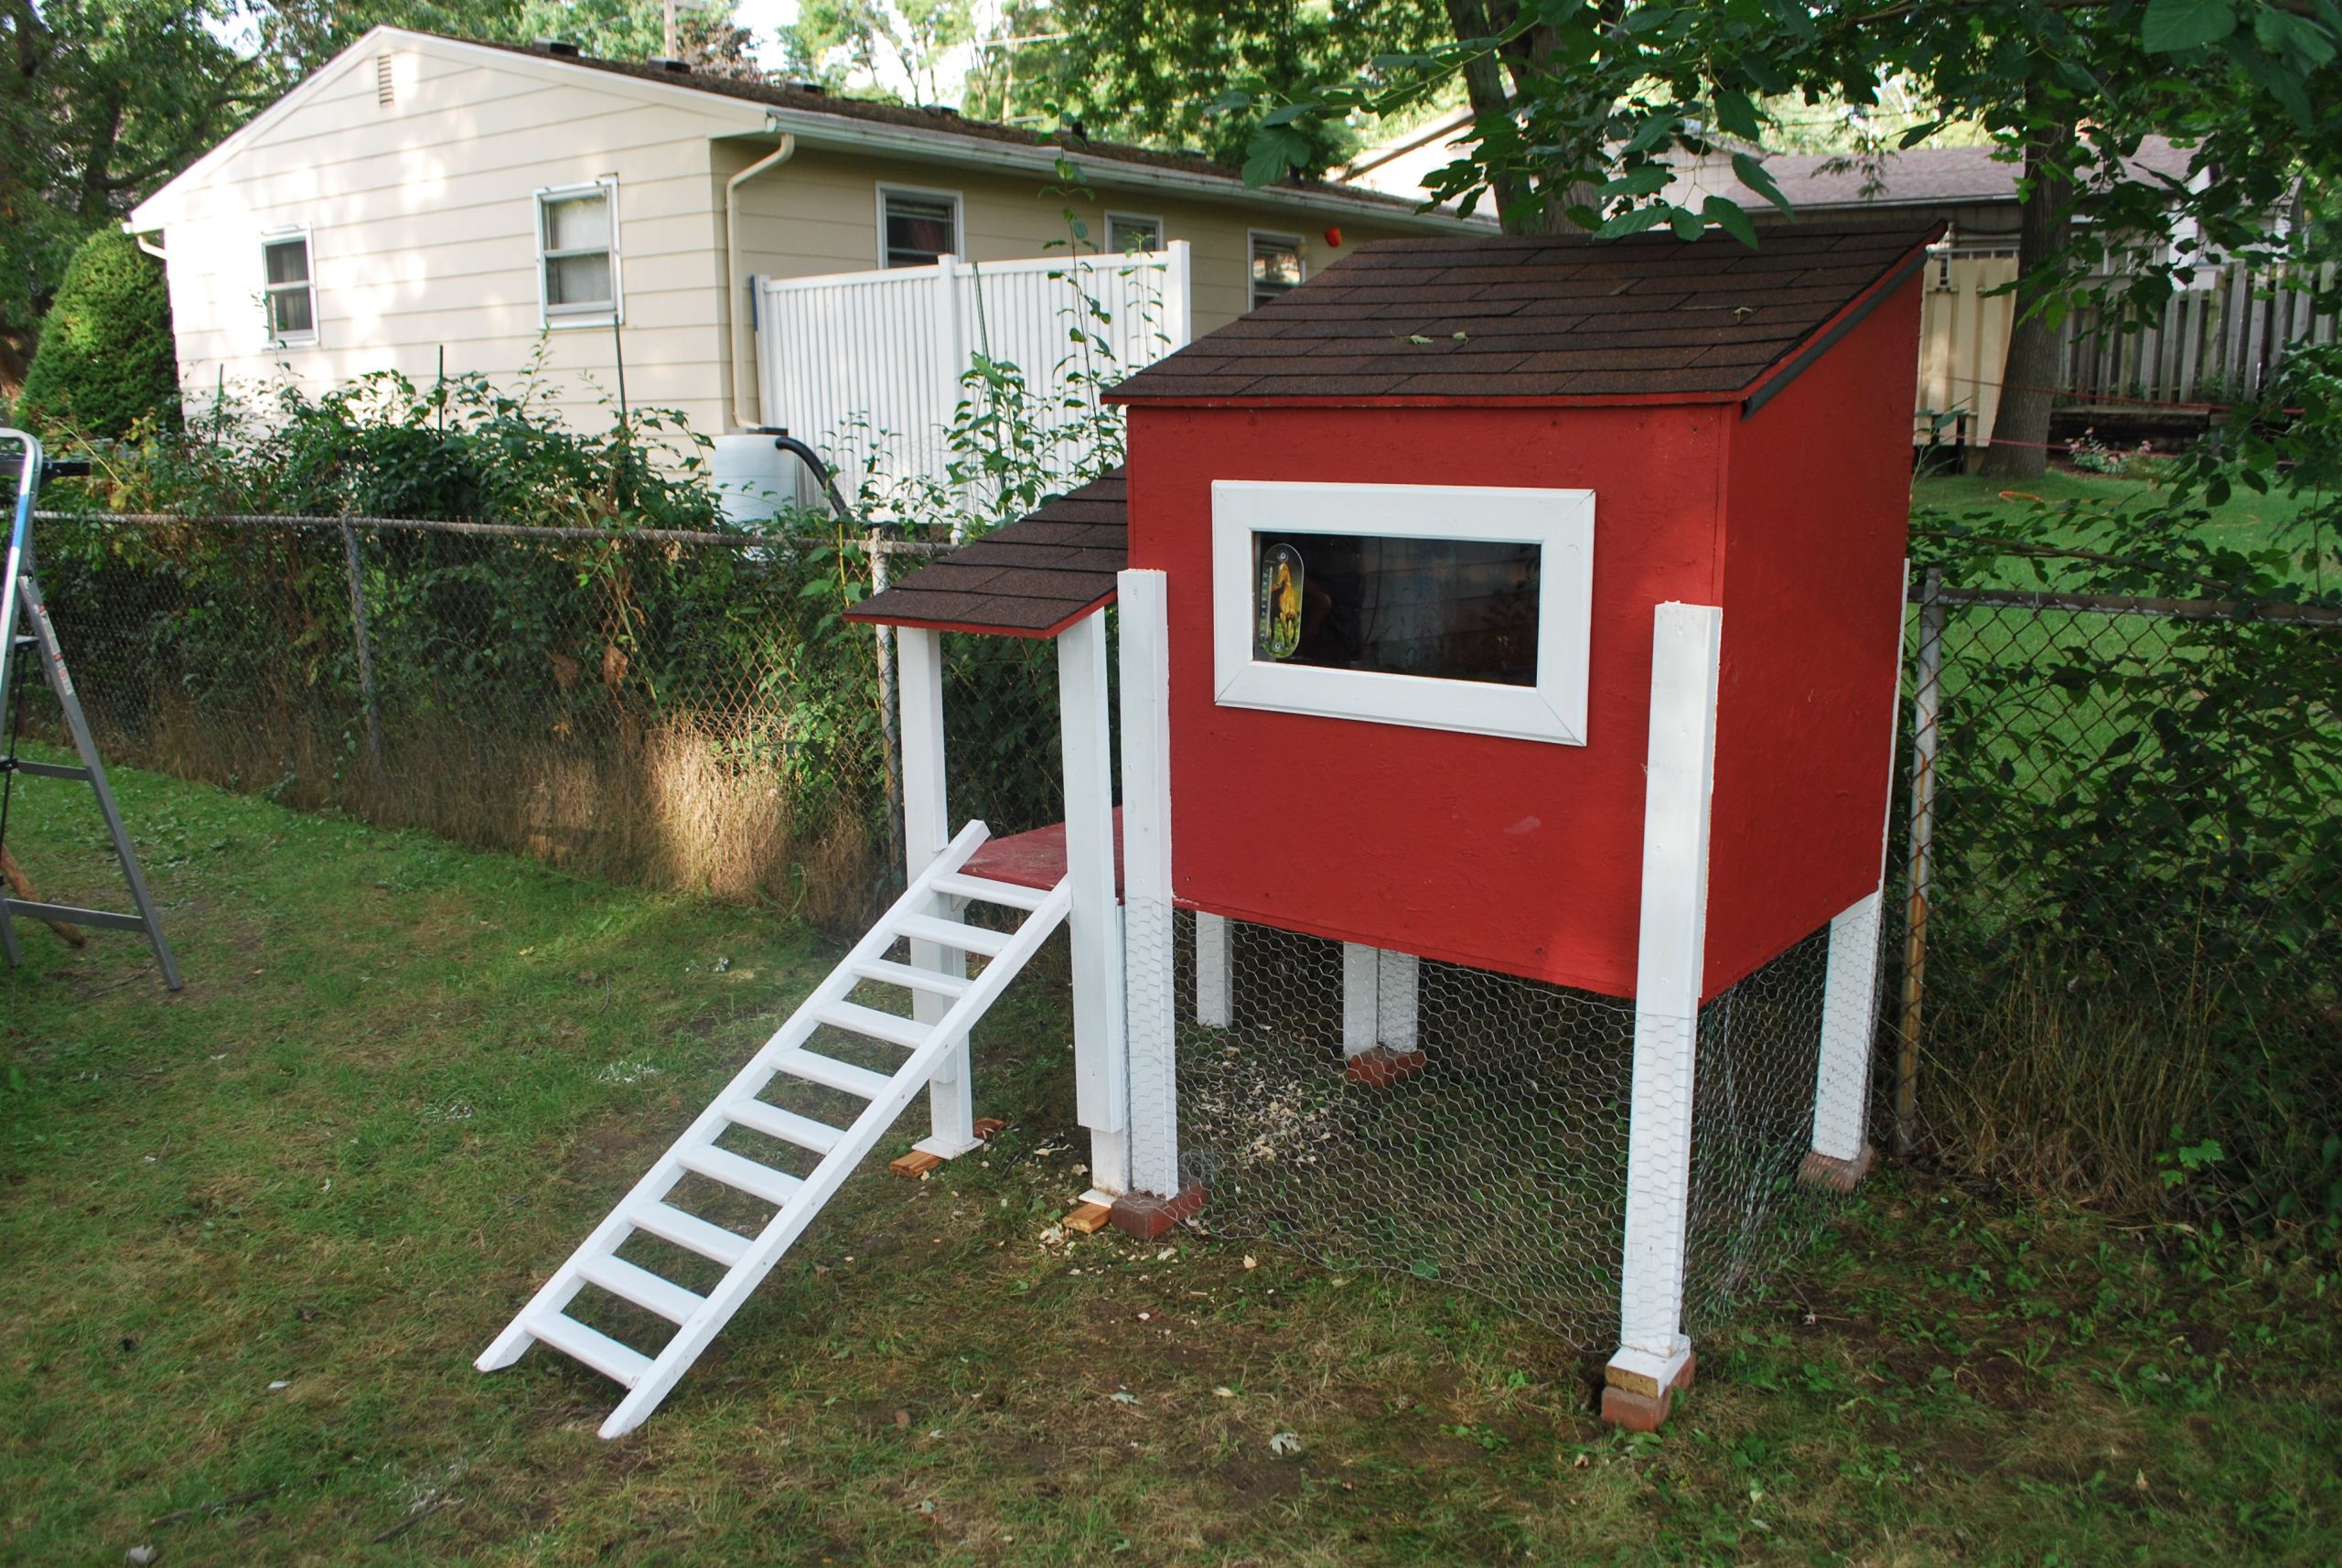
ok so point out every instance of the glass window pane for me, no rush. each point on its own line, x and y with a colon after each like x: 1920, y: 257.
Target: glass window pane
x: 577, y: 223
x: 1125, y: 234
x: 1450, y: 608
x: 288, y: 261
x: 919, y: 229
x: 1276, y: 267
x: 578, y: 280
x: 288, y: 311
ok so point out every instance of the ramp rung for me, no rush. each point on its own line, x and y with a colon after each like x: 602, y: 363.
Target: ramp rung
x: 833, y: 1074
x: 641, y: 1287
x: 690, y: 1232
x: 886, y: 972
x: 984, y: 890
x: 591, y: 1345
x: 952, y: 934
x: 786, y: 1126
x: 722, y: 1164
x: 856, y: 1019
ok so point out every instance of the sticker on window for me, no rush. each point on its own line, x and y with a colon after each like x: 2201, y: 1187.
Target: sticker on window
x: 1279, y: 633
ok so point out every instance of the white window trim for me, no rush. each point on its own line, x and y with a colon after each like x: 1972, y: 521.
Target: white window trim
x: 1253, y: 238
x: 888, y: 187
x: 557, y: 317
x: 1560, y: 522
x: 277, y: 235
x: 1162, y: 229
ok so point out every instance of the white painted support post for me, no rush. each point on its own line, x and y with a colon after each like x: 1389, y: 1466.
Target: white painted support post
x: 1178, y: 323
x: 926, y: 830
x: 1396, y: 978
x: 1361, y: 983
x: 1101, y: 1092
x: 1149, y: 960
x: 1215, y: 972
x: 1849, y: 994
x: 1653, y: 1356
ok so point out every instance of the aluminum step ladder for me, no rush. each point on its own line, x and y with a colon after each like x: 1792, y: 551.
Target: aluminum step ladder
x: 924, y: 913
x: 22, y: 608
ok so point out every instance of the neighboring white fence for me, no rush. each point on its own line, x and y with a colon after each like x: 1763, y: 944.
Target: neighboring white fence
x: 867, y: 366
x: 2219, y: 341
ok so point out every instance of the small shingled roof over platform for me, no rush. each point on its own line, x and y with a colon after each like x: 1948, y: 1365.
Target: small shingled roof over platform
x: 1540, y: 318
x: 1503, y: 319
x: 1033, y: 578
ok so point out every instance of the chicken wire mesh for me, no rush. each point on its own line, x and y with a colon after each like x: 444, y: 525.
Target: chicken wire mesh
x: 1478, y: 1137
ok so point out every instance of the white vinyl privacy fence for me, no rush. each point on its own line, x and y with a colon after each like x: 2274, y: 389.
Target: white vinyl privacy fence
x: 867, y: 366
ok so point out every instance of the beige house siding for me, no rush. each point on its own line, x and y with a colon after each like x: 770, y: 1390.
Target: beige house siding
x: 422, y: 221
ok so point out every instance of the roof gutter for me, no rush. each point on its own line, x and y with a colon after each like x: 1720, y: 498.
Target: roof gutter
x: 734, y: 282
x: 982, y: 152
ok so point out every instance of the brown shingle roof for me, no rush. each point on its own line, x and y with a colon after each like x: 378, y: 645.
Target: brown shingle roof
x: 1032, y: 578
x: 1534, y: 317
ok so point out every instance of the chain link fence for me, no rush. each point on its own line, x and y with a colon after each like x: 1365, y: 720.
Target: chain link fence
x: 2120, y: 857
x: 2121, y: 863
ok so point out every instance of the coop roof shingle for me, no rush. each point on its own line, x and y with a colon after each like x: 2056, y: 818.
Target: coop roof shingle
x: 1033, y: 578
x: 1541, y: 318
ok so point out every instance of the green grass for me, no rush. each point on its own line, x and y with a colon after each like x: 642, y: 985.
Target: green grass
x: 403, y: 1079
x: 2246, y: 521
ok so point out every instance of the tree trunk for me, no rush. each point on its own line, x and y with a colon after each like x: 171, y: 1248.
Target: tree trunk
x: 2019, y: 448
x: 1484, y: 85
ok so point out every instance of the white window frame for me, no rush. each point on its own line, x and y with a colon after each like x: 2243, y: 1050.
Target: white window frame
x: 558, y: 316
x: 1253, y: 238
x: 1560, y: 522
x: 268, y: 291
x: 959, y: 218
x: 1162, y: 230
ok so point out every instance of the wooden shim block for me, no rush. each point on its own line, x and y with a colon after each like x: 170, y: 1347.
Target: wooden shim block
x: 917, y: 1163
x: 1089, y: 1218
x: 986, y: 1128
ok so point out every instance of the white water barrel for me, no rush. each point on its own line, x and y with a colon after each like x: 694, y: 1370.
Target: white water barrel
x: 752, y: 478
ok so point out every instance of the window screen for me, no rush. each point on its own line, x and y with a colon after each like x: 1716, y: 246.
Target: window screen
x: 1450, y: 608
x: 1276, y: 267
x: 920, y: 228
x: 1125, y: 234
x: 579, y: 277
x: 292, y: 305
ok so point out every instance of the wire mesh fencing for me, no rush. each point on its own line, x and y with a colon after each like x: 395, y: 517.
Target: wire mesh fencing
x: 1471, y: 1128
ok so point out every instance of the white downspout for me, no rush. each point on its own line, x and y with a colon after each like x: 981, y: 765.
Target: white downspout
x: 733, y: 282
x: 151, y: 248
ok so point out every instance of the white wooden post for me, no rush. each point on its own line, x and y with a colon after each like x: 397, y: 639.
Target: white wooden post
x: 1101, y: 1092
x: 1394, y: 1009
x: 1653, y: 1356
x: 1850, y: 990
x: 1149, y: 960
x: 926, y: 830
x: 1178, y: 313
x: 1215, y: 977
x: 1361, y: 981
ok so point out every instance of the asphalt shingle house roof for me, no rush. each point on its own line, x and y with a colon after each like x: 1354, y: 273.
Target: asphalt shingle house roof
x: 1033, y: 578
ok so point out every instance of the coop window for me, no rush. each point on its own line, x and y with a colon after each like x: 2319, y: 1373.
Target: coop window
x: 917, y: 227
x: 578, y: 253
x: 1276, y: 267
x: 290, y: 291
x: 1436, y: 606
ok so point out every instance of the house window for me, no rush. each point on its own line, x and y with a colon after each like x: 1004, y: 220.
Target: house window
x: 1126, y: 232
x: 917, y: 227
x: 577, y: 253
x: 1435, y: 607
x: 1276, y: 267
x: 292, y: 295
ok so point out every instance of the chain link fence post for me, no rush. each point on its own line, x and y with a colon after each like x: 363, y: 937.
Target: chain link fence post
x: 1926, y: 700
x: 375, y: 767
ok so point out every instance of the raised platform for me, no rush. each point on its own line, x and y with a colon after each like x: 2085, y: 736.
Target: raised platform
x: 1035, y: 859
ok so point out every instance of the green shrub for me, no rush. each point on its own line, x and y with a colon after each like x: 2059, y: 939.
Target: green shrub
x: 106, y: 361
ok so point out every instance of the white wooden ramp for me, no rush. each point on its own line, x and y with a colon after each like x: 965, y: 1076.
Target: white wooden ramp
x: 926, y: 913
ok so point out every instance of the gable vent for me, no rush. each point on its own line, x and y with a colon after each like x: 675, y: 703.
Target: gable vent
x: 385, y: 87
